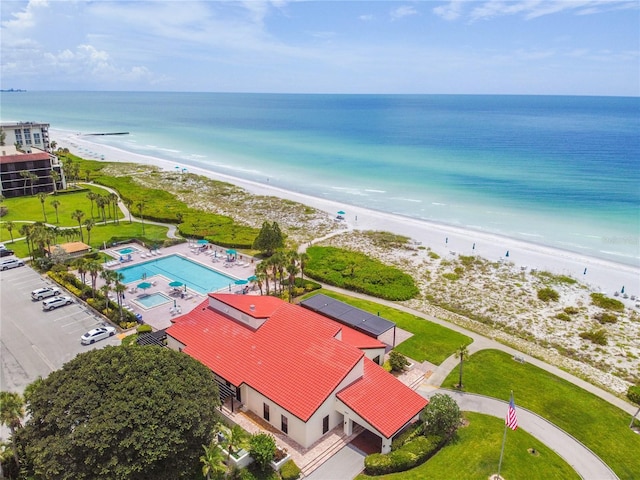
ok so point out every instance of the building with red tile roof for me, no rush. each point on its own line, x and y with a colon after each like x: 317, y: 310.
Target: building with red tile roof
x: 302, y: 372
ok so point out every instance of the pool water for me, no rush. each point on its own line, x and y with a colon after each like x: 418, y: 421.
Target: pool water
x: 152, y: 300
x: 127, y: 250
x: 176, y: 268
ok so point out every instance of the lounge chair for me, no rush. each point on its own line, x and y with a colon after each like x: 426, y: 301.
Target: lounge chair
x: 143, y: 255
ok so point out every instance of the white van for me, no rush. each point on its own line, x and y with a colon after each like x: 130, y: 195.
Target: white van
x: 10, y: 263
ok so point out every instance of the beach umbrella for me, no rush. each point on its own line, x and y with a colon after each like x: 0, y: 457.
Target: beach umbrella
x: 175, y: 284
x: 622, y: 291
x: 202, y: 241
x: 341, y: 212
x: 507, y: 254
x: 144, y: 285
x: 241, y: 282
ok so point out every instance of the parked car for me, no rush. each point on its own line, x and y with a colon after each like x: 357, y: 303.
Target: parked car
x: 96, y: 334
x: 45, y: 292
x: 10, y: 263
x: 56, y: 302
x: 5, y: 252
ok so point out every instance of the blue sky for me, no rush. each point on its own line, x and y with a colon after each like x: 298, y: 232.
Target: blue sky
x: 560, y: 47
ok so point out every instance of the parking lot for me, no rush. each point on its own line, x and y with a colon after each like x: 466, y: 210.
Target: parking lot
x: 33, y: 342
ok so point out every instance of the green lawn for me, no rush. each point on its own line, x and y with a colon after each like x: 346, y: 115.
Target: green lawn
x: 102, y: 233
x: 475, y: 455
x: 30, y: 208
x: 596, y: 423
x: 430, y: 341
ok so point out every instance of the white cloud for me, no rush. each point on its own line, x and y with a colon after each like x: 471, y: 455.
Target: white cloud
x: 403, y: 11
x: 26, y: 18
x: 366, y: 18
x: 451, y: 11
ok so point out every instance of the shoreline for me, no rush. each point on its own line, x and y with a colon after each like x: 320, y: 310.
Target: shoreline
x: 598, y: 274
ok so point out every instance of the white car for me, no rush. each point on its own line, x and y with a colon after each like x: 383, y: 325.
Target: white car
x: 45, y: 292
x: 96, y: 334
x: 56, y: 302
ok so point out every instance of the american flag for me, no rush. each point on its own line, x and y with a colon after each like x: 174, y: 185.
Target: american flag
x: 512, y: 419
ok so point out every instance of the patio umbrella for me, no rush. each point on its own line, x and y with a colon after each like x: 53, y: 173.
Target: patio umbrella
x: 144, y: 285
x: 241, y: 282
x: 231, y: 252
x: 175, y: 284
x: 252, y: 278
x: 202, y: 241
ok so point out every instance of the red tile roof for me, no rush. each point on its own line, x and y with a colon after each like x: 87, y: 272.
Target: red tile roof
x: 382, y: 400
x: 24, y: 157
x: 293, y: 359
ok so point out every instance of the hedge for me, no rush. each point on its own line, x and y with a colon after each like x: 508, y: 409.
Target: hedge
x: 290, y: 471
x: 409, y: 456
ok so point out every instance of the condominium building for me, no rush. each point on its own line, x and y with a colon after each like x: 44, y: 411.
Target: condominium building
x: 26, y: 135
x: 29, y: 171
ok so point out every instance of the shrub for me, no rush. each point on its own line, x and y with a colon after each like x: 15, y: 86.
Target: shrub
x: 290, y: 471
x: 262, y: 447
x: 602, y: 301
x: 571, y: 310
x: 563, y: 316
x: 599, y: 337
x: 441, y: 416
x: 144, y: 329
x: 451, y: 276
x: 606, y: 317
x: 377, y: 464
x: 409, y: 434
x: 402, y: 460
x: 397, y: 361
x: 548, y: 294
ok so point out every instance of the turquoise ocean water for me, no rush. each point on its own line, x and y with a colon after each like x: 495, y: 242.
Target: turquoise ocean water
x: 554, y: 170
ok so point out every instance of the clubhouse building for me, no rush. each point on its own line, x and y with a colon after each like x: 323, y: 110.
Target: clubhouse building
x: 300, y: 371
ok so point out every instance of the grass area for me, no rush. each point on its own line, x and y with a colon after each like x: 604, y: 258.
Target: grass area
x: 30, y: 208
x: 430, y: 341
x: 103, y: 233
x: 599, y: 425
x: 475, y: 454
x: 360, y: 273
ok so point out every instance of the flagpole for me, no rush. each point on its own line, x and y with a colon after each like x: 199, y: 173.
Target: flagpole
x: 504, y: 438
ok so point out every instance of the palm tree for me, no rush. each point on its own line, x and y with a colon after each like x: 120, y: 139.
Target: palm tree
x: 32, y: 178
x: 128, y: 202
x: 9, y: 226
x: 235, y: 439
x: 262, y: 276
x: 25, y: 231
x: 89, y: 224
x: 11, y: 415
x: 79, y: 215
x: 81, y: 265
x: 213, y: 467
x: 303, y: 258
x: 43, y: 197
x: 55, y: 178
x: 94, y: 269
x: 113, y: 198
x: 463, y: 353
x: 24, y: 174
x: 140, y: 206
x: 102, y: 202
x: 119, y: 288
x: 55, y: 204
x: 92, y: 196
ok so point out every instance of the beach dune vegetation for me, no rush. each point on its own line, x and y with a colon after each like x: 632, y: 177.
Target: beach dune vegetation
x: 548, y: 294
x: 602, y: 301
x: 360, y: 273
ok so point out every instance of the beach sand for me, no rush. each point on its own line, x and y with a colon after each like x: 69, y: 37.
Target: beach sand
x: 501, y: 288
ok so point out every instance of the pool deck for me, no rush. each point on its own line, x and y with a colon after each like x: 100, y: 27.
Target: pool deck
x: 160, y: 316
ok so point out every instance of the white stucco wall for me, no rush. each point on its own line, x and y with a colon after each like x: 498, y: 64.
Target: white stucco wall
x: 253, y: 323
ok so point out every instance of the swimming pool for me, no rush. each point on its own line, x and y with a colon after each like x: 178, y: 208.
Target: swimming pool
x: 152, y: 300
x: 127, y: 250
x: 176, y: 268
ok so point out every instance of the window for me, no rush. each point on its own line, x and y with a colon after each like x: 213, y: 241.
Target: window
x: 284, y: 421
x: 265, y: 411
x: 325, y: 424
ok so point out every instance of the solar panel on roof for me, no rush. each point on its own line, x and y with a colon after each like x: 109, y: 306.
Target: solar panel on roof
x: 365, y: 322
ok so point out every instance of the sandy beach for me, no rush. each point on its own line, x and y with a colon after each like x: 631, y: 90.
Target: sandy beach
x: 607, y: 277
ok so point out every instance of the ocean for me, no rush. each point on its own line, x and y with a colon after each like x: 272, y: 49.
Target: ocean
x: 559, y: 171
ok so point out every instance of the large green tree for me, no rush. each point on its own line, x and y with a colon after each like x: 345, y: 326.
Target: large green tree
x: 269, y: 239
x: 262, y: 447
x: 633, y: 394
x: 441, y: 416
x: 121, y: 413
